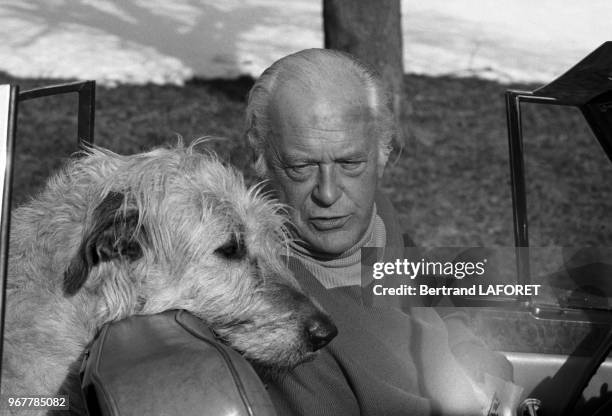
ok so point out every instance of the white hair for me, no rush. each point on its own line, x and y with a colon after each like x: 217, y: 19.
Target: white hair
x: 319, y: 69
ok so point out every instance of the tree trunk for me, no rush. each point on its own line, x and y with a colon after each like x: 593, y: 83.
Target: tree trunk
x: 371, y: 31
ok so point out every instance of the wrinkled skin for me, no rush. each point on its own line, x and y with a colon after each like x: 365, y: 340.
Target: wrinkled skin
x: 323, y: 163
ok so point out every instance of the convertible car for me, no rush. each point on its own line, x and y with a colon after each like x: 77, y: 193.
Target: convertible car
x: 558, y: 342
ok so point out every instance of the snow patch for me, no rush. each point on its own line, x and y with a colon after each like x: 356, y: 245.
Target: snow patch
x: 142, y: 41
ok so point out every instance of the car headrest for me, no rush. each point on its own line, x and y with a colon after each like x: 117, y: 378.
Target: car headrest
x: 168, y: 364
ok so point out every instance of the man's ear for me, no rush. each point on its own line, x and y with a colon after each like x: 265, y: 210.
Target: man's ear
x: 380, y: 171
x: 382, y: 163
x: 111, y: 236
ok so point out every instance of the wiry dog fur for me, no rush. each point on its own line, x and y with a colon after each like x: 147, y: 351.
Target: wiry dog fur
x: 113, y: 236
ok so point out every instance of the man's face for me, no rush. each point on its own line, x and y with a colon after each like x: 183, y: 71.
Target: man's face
x: 323, y: 164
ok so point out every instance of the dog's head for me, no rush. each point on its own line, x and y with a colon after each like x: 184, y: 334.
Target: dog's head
x: 176, y: 229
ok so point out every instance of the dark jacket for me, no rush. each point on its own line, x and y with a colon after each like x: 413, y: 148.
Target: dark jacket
x: 383, y: 361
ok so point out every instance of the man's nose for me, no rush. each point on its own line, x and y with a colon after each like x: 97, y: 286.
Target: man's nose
x: 327, y: 190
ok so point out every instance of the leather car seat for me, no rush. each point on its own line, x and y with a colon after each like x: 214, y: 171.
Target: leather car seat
x: 168, y: 364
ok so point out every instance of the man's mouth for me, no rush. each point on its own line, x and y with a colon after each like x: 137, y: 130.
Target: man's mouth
x: 329, y: 223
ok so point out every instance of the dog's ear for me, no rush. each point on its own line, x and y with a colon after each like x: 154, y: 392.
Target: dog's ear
x: 110, y: 237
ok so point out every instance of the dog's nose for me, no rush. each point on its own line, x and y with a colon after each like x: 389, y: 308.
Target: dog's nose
x: 320, y: 331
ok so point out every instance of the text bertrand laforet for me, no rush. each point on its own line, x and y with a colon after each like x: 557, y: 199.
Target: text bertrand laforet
x: 457, y: 270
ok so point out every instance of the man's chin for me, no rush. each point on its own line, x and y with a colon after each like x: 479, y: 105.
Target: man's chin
x: 334, y: 245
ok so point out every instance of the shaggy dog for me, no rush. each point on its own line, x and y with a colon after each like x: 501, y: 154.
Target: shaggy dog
x: 113, y: 236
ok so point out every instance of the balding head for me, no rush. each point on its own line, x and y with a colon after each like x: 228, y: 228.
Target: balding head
x: 328, y: 80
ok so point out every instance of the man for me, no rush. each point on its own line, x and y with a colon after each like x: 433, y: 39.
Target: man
x: 321, y: 125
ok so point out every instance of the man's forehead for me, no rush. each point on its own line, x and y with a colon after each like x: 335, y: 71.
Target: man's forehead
x: 327, y: 107
x: 301, y: 145
x: 336, y: 113
x: 313, y: 146
x: 319, y: 124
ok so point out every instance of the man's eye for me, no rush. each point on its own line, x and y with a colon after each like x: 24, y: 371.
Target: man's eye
x: 352, y: 165
x: 299, y: 170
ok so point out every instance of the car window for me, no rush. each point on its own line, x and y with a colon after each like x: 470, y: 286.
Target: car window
x: 569, y: 204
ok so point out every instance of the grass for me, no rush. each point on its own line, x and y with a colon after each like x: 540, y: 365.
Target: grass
x: 450, y: 185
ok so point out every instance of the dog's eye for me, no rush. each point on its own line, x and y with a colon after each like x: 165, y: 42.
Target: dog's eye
x: 234, y: 249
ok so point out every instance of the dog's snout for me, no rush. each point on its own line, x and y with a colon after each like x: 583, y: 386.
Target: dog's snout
x: 320, y: 331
